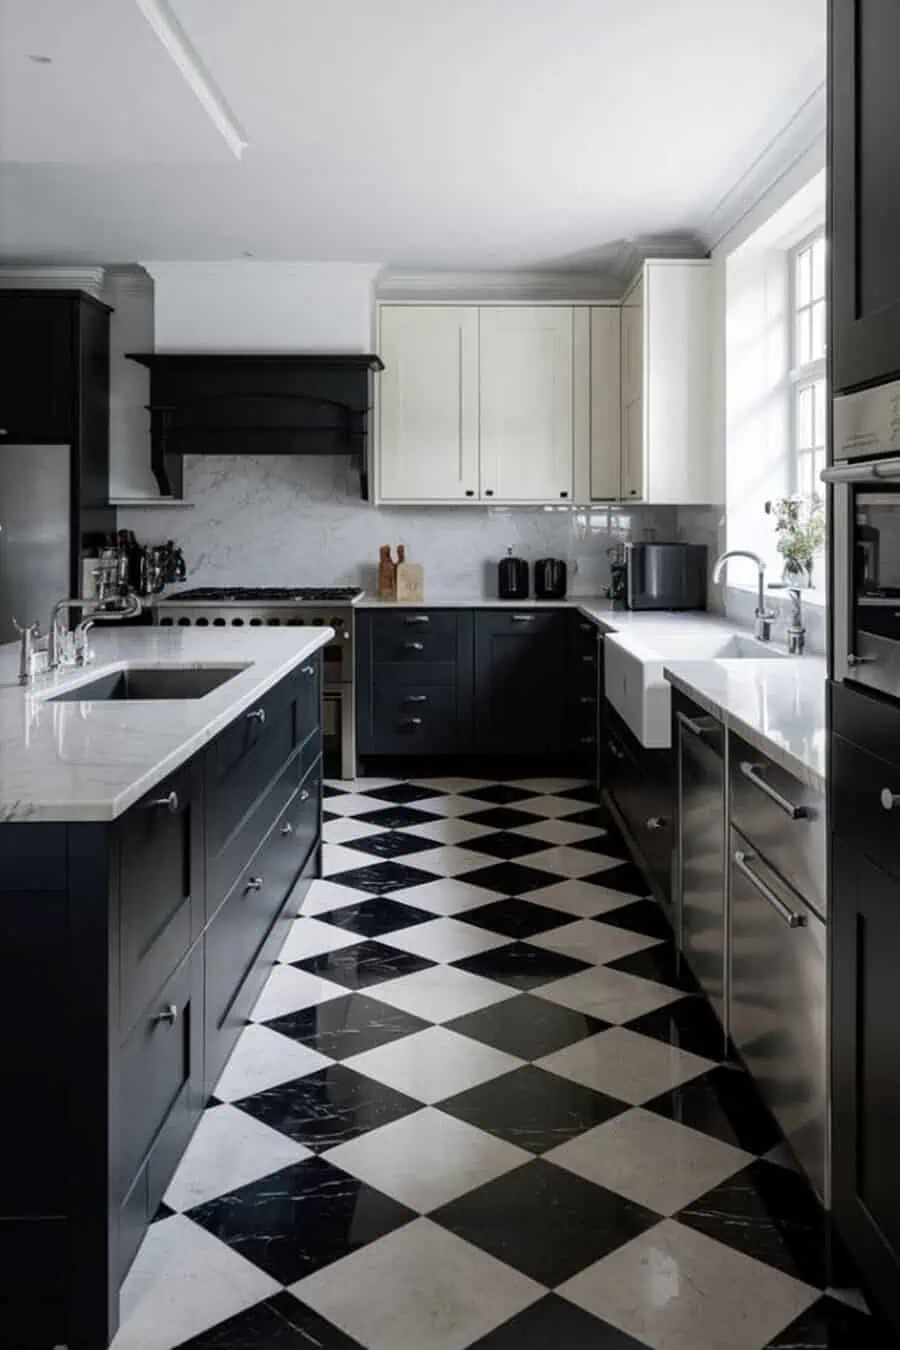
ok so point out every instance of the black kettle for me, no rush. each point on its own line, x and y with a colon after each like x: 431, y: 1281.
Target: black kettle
x: 512, y: 578
x: 550, y: 579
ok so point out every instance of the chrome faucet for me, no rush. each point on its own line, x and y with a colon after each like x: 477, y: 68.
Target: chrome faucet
x: 27, y: 638
x: 763, y: 618
x: 130, y: 606
x: 796, y: 633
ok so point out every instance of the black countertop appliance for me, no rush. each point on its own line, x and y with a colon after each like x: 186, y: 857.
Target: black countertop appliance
x: 550, y: 579
x: 512, y: 578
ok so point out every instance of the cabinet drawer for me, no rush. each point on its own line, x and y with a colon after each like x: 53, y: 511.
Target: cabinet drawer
x: 415, y: 645
x: 158, y: 1067
x: 764, y: 798
x: 778, y: 1014
x: 160, y: 887
x: 858, y: 780
x: 413, y: 720
x: 387, y: 676
x: 224, y: 866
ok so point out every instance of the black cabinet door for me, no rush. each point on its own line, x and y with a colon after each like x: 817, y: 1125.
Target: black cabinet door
x: 38, y: 364
x: 864, y: 92
x: 865, y: 1033
x: 520, y: 674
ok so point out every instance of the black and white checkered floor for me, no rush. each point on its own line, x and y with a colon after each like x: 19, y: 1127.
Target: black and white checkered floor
x: 480, y: 1106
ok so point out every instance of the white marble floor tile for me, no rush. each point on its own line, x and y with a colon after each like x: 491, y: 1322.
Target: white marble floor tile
x: 419, y: 1288
x: 228, y: 1149
x: 184, y: 1281
x: 552, y: 807
x: 588, y: 940
x: 626, y: 1065
x: 550, y: 785
x: 262, y: 1059
x: 448, y: 830
x: 675, y: 1289
x: 445, y: 940
x: 449, y: 786
x: 346, y: 827
x: 352, y: 803
x: 359, y: 784
x: 582, y: 899
x: 568, y: 862
x: 452, y: 805
x: 610, y: 994
x: 441, y: 993
x: 447, y: 896
x: 433, y: 1064
x: 338, y: 858
x: 312, y: 937
x: 656, y: 1162
x: 427, y: 1159
x: 289, y: 989
x: 557, y: 831
x: 324, y: 896
x: 447, y: 860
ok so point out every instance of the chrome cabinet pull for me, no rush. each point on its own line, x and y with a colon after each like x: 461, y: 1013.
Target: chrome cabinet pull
x: 616, y: 751
x: 417, y: 618
x: 695, y: 728
x: 414, y: 646
x: 889, y: 799
x: 253, y: 884
x: 287, y: 828
x: 656, y: 822
x: 168, y: 803
x: 790, y: 916
x: 416, y: 698
x: 752, y: 774
x: 307, y: 670
x: 585, y: 626
x: 523, y: 618
x: 586, y: 740
x: 587, y: 698
x: 413, y: 721
x: 168, y: 1016
x: 589, y: 660
x: 853, y: 660
x: 304, y: 794
x: 256, y: 715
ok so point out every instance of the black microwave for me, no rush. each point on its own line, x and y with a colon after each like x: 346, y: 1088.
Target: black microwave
x: 665, y: 576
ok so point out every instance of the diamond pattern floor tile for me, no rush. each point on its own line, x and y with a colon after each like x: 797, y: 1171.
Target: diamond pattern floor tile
x: 362, y: 965
x: 433, y: 1064
x: 628, y: 1066
x: 327, y: 1108
x: 372, y: 918
x: 521, y: 965
x: 527, y: 1027
x: 279, y: 1323
x: 515, y: 918
x: 338, y: 1029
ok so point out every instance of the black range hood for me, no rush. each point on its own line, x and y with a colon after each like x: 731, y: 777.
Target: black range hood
x: 204, y: 403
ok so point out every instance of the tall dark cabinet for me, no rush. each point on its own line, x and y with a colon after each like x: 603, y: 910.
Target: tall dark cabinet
x: 864, y: 99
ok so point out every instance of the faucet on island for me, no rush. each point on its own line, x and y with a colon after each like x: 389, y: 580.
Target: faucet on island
x: 763, y: 618
x: 129, y: 608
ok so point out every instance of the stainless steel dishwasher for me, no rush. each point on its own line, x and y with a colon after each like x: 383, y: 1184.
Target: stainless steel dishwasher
x: 701, y: 869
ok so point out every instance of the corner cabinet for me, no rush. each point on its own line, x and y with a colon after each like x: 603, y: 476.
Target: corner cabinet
x: 864, y: 116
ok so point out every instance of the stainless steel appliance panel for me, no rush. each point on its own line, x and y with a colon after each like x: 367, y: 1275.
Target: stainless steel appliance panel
x: 665, y: 576
x: 778, y: 1003
x: 783, y: 818
x: 35, y: 537
x: 700, y: 853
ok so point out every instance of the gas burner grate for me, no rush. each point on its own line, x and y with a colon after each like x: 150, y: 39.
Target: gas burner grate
x: 258, y: 594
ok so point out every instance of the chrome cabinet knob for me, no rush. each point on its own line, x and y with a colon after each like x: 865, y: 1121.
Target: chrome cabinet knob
x: 416, y: 698
x: 257, y: 715
x: 587, y: 698
x: 304, y: 794
x: 586, y: 740
x: 168, y: 803
x: 253, y: 884
x: 168, y: 1016
x: 889, y: 799
x: 413, y: 721
x: 307, y: 670
x: 656, y: 823
x: 854, y: 660
x: 287, y: 828
x: 414, y: 646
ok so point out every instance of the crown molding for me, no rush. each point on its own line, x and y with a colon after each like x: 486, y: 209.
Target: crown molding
x: 128, y: 280
x: 38, y: 278
x: 477, y: 287
x: 252, y: 269
x: 805, y: 130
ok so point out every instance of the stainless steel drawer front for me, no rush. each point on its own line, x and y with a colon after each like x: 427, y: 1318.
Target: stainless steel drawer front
x: 700, y: 859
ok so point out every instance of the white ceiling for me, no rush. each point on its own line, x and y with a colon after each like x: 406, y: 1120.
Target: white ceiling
x: 416, y: 133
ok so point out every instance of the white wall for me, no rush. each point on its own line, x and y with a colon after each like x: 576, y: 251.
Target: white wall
x: 263, y: 307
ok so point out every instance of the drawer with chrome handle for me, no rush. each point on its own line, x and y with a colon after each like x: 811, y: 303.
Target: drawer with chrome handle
x: 792, y: 917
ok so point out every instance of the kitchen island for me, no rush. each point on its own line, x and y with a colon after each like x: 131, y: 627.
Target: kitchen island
x: 157, y: 836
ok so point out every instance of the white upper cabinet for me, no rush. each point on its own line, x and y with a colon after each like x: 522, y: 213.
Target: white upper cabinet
x: 428, y: 404
x: 667, y: 386
x: 526, y: 404
x: 604, y: 440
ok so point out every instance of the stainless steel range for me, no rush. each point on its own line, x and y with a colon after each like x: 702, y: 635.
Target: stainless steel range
x: 285, y: 607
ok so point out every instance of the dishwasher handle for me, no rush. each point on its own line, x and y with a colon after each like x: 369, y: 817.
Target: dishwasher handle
x: 694, y: 727
x: 791, y: 917
x: 752, y: 774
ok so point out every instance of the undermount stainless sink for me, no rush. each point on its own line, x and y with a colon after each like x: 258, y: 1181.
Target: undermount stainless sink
x: 140, y: 684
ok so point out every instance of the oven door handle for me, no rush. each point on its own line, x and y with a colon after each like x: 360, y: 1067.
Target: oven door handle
x: 862, y: 473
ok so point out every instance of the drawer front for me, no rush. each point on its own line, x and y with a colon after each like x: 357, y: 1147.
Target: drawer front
x: 160, y: 887
x: 397, y: 643
x: 387, y: 676
x: 158, y: 1068
x: 763, y: 799
x: 225, y: 865
x: 413, y: 719
x: 863, y: 805
x: 778, y: 1013
x: 403, y: 623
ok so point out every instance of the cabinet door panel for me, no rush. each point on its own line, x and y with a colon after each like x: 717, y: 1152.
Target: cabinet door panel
x: 37, y: 345
x: 520, y: 673
x: 428, y: 403
x: 633, y: 450
x: 526, y: 404
x: 606, y: 438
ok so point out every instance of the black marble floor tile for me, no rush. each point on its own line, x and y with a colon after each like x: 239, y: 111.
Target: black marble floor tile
x: 607, y: 843
x: 501, y: 817
x: 532, y: 1108
x: 723, y: 1103
x: 383, y: 877
x: 363, y: 964
x: 347, y: 1026
x: 504, y: 844
x: 831, y: 1325
x: 501, y: 794
x: 594, y: 815
x: 584, y: 792
x: 527, y: 1027
x: 515, y: 918
x: 280, y: 1323
x: 373, y: 918
x: 390, y: 844
x: 661, y: 963
x: 626, y: 878
x: 329, y: 815
x: 689, y: 1023
x: 401, y: 794
x: 300, y: 1219
x: 767, y: 1212
x: 552, y: 1321
x: 545, y: 1221
x: 643, y: 916
x: 397, y: 817
x: 509, y: 878
x: 162, y: 1212
x: 328, y: 791
x: 328, y: 1108
x: 521, y: 965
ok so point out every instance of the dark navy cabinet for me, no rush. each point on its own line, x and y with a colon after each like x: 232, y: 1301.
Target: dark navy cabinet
x: 520, y: 681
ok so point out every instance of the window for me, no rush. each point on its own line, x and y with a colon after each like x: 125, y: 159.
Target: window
x: 809, y: 417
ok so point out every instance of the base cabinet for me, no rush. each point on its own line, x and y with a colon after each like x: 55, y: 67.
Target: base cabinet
x: 520, y: 672
x: 640, y: 786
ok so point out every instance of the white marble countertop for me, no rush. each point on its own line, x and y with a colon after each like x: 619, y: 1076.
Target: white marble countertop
x: 79, y: 761
x: 778, y: 706
x: 597, y: 608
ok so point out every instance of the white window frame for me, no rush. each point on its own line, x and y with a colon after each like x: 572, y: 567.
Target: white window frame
x: 805, y: 376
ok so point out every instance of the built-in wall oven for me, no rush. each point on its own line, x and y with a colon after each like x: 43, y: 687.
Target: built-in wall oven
x: 865, y: 524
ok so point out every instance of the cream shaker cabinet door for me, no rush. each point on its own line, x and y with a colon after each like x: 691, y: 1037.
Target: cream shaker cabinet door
x: 428, y: 404
x: 633, y: 484
x: 605, y: 433
x: 526, y: 418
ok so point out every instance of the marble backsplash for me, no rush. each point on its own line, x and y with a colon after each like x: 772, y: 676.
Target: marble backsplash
x: 283, y: 520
